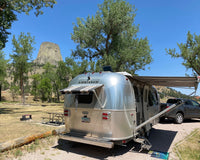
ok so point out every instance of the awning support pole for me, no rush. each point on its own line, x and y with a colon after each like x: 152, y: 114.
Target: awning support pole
x: 158, y: 115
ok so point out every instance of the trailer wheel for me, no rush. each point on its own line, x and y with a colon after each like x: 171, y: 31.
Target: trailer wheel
x: 179, y: 118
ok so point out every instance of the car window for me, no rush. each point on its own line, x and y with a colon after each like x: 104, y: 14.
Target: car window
x: 172, y: 101
x: 188, y: 102
x: 194, y: 103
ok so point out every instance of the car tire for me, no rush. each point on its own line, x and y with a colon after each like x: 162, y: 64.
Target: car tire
x: 161, y: 119
x: 179, y: 118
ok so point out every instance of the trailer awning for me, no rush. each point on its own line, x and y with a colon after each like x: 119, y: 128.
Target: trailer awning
x: 169, y: 81
x: 81, y: 88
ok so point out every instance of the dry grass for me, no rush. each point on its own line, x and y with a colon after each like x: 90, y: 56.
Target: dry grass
x: 38, y: 144
x: 189, y: 149
x: 11, y: 127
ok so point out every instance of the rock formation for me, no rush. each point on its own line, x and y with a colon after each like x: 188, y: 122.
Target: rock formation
x: 49, y: 52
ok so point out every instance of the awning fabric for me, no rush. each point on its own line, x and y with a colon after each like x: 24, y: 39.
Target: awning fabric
x: 166, y: 81
x: 81, y: 88
x: 169, y: 81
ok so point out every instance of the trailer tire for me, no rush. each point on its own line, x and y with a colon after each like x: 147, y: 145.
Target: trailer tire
x: 179, y: 118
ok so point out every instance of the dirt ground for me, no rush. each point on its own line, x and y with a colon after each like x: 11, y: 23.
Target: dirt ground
x: 163, y: 137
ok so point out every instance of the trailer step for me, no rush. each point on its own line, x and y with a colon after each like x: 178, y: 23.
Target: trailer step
x: 86, y: 140
x: 145, y: 144
x: 139, y: 140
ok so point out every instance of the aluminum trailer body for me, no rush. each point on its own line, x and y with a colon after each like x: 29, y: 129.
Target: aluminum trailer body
x: 109, y: 108
x: 105, y: 108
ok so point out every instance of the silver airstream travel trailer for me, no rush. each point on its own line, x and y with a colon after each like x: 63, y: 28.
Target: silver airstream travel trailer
x: 109, y: 108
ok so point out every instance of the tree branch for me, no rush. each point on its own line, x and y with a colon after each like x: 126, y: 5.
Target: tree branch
x: 193, y: 67
x: 3, y: 7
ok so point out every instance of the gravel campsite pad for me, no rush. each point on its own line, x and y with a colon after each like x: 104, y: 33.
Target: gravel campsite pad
x: 163, y: 137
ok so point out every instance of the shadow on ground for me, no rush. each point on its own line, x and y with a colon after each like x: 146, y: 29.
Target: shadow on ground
x: 7, y: 110
x: 161, y: 140
x: 97, y: 152
x: 170, y: 121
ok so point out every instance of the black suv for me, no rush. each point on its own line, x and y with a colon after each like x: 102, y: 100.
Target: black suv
x: 189, y: 109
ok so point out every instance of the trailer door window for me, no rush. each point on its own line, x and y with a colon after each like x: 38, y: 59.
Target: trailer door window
x: 152, y: 99
x: 136, y: 93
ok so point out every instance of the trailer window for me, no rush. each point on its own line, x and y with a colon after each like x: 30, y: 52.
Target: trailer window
x: 87, y: 99
x: 136, y: 93
x: 145, y: 95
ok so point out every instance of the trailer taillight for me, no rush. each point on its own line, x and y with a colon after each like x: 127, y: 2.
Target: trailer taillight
x: 105, y: 115
x: 66, y: 112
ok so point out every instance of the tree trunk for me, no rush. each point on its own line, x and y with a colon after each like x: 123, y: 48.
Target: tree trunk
x: 0, y: 92
x: 58, y: 96
x: 22, y: 91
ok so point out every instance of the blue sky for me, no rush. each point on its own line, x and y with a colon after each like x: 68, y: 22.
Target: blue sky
x: 163, y: 22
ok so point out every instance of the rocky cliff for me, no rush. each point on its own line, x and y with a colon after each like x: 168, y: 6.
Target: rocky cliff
x: 49, y: 52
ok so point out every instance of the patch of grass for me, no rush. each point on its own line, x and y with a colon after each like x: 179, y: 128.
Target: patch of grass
x: 43, y: 153
x: 189, y: 148
x: 18, y: 153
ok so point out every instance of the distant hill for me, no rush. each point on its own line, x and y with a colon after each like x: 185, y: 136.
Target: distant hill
x: 166, y: 92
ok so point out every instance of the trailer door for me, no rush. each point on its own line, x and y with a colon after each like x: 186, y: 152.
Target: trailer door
x: 145, y: 106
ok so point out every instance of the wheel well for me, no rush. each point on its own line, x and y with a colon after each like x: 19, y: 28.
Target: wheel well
x: 181, y: 113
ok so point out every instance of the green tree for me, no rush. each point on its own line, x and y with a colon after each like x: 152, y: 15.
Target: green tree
x: 45, y: 89
x: 22, y: 48
x: 34, y: 85
x: 110, y: 38
x: 50, y: 74
x: 189, y: 52
x: 75, y: 68
x: 3, y: 68
x: 14, y: 90
x: 62, y: 78
x: 9, y: 10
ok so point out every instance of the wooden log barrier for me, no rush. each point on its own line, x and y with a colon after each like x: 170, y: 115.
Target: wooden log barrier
x: 28, y: 139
